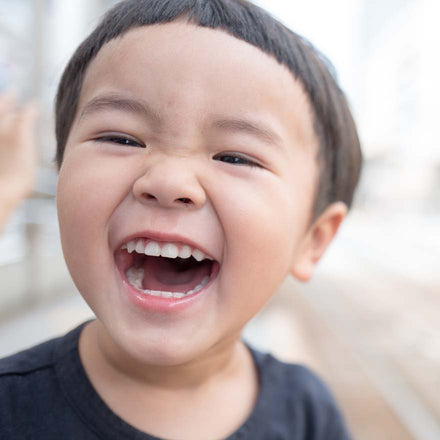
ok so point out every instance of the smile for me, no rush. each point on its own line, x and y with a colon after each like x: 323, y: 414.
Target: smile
x: 166, y: 269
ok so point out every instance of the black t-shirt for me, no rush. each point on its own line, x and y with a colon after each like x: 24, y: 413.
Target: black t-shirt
x: 45, y: 394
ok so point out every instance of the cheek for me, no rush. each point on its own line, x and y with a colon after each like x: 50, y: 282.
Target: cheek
x: 88, y: 190
x: 270, y: 215
x: 77, y: 201
x: 75, y: 225
x: 84, y: 207
x: 262, y: 225
x: 264, y: 221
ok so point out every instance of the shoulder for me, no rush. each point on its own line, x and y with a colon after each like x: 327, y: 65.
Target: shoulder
x: 35, y: 365
x: 31, y: 397
x: 23, y: 377
x: 39, y: 357
x: 28, y: 370
x: 28, y: 361
x: 303, y: 402
x: 294, y: 379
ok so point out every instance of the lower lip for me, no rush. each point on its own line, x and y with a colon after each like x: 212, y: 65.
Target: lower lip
x: 164, y: 305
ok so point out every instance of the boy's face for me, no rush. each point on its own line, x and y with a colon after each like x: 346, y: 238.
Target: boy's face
x: 185, y: 135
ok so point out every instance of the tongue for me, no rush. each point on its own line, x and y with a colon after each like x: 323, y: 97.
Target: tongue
x: 165, y: 275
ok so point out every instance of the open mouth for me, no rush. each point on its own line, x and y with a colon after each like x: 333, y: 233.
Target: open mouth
x: 166, y: 270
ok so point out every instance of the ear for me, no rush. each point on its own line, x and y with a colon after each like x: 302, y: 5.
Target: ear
x: 316, y: 240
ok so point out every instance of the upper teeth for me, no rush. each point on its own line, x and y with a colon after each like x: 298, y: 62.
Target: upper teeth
x: 168, y: 250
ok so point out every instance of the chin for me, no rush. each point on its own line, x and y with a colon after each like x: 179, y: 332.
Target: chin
x: 155, y: 346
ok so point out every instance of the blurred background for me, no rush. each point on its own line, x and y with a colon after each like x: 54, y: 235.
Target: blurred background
x: 369, y: 320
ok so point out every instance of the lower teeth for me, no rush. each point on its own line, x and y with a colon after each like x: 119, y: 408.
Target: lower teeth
x: 136, y: 275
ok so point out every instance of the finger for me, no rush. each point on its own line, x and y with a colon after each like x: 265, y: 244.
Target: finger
x: 8, y: 102
x: 8, y: 123
x: 8, y: 112
x: 25, y: 126
x: 23, y: 145
x: 18, y: 121
x: 26, y: 117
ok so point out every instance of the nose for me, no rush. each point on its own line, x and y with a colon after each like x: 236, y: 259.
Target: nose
x: 170, y: 183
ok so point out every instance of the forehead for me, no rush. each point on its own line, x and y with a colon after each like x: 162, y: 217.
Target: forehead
x: 189, y: 72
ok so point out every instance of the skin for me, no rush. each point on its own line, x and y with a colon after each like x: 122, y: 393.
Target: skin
x: 186, y: 374
x: 17, y: 153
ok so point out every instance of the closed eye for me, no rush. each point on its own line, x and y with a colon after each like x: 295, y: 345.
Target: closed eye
x: 235, y: 159
x: 119, y: 140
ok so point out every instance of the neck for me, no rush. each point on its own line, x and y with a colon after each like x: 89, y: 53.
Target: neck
x: 209, y: 397
x: 224, y: 359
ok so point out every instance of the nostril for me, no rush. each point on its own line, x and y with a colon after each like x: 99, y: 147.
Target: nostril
x: 184, y: 200
x: 152, y: 197
x: 148, y: 196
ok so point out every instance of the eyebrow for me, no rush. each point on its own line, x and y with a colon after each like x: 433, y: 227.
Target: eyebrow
x: 245, y: 126
x: 119, y: 103
x: 140, y: 107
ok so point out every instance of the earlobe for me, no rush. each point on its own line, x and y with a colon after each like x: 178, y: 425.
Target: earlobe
x: 316, y: 241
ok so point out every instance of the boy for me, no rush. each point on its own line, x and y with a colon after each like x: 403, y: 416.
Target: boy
x: 205, y: 152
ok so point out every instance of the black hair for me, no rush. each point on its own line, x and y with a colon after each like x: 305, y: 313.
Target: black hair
x: 339, y: 155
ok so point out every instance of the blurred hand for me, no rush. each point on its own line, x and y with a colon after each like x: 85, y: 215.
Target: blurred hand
x: 17, y: 152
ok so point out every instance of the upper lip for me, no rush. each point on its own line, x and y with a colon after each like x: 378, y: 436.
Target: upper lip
x: 163, y: 237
